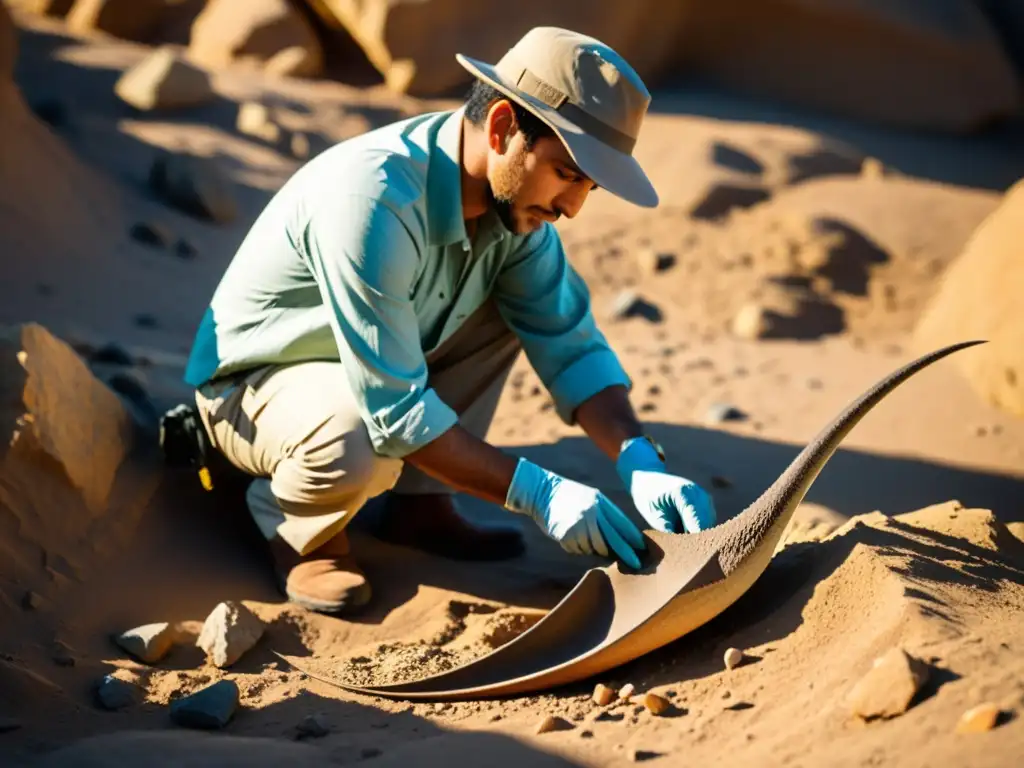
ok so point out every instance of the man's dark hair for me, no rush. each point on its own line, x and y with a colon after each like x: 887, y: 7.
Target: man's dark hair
x: 479, y: 100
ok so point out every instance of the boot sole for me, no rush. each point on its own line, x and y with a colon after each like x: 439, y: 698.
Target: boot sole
x: 359, y: 600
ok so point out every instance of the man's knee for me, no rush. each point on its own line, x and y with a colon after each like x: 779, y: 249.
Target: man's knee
x: 333, y: 466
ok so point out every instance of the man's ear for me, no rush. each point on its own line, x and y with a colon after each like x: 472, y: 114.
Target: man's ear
x: 501, y: 126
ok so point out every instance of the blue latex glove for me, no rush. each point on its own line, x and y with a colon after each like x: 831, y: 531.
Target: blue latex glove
x: 580, y: 518
x: 668, y: 503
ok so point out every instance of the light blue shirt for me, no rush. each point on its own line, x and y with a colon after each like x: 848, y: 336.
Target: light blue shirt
x: 362, y: 256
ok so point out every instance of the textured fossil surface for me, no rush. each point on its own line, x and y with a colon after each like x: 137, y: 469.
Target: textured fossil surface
x: 614, y: 615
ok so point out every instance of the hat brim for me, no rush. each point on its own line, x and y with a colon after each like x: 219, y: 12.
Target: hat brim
x: 616, y: 171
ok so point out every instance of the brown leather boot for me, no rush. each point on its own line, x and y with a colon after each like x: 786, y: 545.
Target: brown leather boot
x: 431, y: 523
x: 327, y: 580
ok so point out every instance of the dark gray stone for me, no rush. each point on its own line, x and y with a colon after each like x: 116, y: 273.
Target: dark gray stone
x: 719, y: 412
x: 113, y: 693
x: 209, y: 708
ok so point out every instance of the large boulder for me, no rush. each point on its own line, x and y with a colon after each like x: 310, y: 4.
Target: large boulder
x: 128, y: 19
x: 255, y: 32
x: 413, y: 42
x: 65, y: 442
x: 980, y: 298
x: 936, y: 65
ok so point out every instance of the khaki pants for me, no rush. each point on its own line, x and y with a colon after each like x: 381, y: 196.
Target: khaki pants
x: 296, y: 428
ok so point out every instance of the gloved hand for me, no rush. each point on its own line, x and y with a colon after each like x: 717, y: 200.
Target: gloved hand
x: 582, y: 519
x: 668, y: 503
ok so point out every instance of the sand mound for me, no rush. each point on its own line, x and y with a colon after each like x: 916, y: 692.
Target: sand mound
x: 52, y: 207
x: 980, y: 297
x: 197, y: 750
x: 826, y: 255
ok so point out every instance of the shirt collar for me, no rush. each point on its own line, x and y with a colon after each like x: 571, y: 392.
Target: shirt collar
x: 444, y: 184
x: 444, y: 191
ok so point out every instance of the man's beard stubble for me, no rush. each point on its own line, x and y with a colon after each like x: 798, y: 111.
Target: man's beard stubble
x: 505, y: 186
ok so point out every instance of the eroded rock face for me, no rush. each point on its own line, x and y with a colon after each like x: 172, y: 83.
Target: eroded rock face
x: 980, y: 298
x: 937, y: 65
x: 256, y: 32
x: 64, y: 447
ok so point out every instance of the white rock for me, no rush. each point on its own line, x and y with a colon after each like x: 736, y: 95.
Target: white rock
x: 733, y: 658
x: 603, y: 695
x: 229, y: 631
x: 254, y: 120
x: 148, y: 643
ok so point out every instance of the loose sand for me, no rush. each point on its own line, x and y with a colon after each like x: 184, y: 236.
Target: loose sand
x: 910, y: 538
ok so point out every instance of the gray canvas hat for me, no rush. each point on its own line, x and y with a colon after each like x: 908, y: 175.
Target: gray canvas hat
x: 589, y: 95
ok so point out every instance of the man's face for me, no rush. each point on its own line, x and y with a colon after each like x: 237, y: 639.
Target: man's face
x: 529, y: 186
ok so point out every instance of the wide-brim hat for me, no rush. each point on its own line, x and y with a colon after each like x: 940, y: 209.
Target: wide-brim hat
x: 590, y: 96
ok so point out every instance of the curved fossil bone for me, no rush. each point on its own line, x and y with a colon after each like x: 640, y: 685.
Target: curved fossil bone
x: 613, y: 616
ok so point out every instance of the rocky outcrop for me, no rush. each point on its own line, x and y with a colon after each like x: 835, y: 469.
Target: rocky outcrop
x: 66, y: 440
x: 980, y: 298
x: 936, y: 65
x: 256, y: 32
x: 413, y: 43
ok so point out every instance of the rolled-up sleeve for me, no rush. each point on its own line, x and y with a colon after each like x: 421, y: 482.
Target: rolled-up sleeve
x: 364, y: 260
x: 547, y: 305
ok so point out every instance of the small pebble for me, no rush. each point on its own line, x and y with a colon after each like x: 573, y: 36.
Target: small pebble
x: 299, y: 145
x: 311, y: 727
x: 717, y: 481
x: 31, y: 601
x: 113, y: 694
x: 586, y: 734
x: 721, y: 412
x: 183, y: 249
x: 656, y: 705
x: 111, y: 354
x: 726, y: 694
x: 62, y: 655
x: 640, y: 755
x: 733, y: 658
x: 150, y: 233
x: 626, y: 692
x: 978, y: 719
x: 603, y: 695
x: 148, y: 643
x: 552, y: 723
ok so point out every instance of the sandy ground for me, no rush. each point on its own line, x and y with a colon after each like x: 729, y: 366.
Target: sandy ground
x: 907, y: 538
